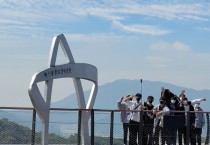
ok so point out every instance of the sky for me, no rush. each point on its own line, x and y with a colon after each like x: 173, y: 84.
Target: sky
x: 156, y: 40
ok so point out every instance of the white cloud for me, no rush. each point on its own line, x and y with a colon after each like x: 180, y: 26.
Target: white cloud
x: 158, y: 61
x: 176, y: 46
x: 94, y: 37
x: 204, y: 29
x: 46, y: 12
x: 143, y: 29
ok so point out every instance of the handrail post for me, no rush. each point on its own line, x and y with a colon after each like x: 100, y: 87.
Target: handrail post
x: 111, y: 127
x: 92, y: 127
x: 33, y: 131
x: 188, y: 129
x: 79, y: 127
x: 208, y: 129
x: 140, y: 132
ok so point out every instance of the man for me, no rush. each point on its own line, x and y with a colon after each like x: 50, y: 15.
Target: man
x: 160, y: 110
x: 185, y: 106
x: 135, y: 106
x: 173, y: 106
x: 124, y: 118
x: 148, y: 119
x: 199, y: 123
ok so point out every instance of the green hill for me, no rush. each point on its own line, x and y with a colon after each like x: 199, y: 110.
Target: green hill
x: 14, y: 133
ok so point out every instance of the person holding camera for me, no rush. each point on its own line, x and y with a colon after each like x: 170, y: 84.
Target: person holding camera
x: 124, y: 117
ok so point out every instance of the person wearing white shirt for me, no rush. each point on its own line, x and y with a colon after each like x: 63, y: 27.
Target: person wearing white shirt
x: 124, y: 117
x: 135, y: 106
x: 160, y: 110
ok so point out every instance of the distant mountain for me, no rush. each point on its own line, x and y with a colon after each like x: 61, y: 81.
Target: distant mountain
x: 109, y: 93
x: 107, y: 97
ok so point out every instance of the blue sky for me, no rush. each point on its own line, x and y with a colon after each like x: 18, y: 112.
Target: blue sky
x: 155, y: 40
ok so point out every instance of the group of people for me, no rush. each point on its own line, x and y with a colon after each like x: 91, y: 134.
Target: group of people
x: 154, y: 119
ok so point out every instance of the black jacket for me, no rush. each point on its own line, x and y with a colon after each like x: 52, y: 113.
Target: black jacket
x: 148, y: 117
x: 181, y: 107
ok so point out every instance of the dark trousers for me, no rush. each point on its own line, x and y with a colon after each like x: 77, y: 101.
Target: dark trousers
x: 182, y: 133
x: 159, y: 131
x: 147, y: 134
x: 163, y: 132
x: 133, y: 132
x: 125, y: 132
x: 172, y: 136
x: 197, y: 135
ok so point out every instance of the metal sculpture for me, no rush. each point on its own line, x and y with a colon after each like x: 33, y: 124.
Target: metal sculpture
x: 73, y: 70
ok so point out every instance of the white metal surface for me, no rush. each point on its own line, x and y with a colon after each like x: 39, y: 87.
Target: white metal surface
x: 73, y: 70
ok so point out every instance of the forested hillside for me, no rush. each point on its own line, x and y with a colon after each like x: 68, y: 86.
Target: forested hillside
x: 13, y: 133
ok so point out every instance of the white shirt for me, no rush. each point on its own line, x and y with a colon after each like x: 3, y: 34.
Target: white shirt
x: 134, y: 115
x: 124, y: 114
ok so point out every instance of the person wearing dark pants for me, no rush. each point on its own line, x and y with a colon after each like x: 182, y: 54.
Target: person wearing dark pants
x: 160, y: 111
x: 148, y: 119
x: 184, y: 105
x: 124, y: 118
x: 199, y: 123
x: 135, y: 106
x: 172, y: 132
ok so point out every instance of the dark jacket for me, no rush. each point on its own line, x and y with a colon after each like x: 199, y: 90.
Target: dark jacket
x: 173, y: 107
x: 148, y: 117
x: 181, y: 107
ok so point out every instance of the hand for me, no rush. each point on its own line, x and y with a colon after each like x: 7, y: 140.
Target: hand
x: 183, y: 91
x: 131, y: 97
x: 159, y: 113
x: 154, y: 111
x: 204, y: 99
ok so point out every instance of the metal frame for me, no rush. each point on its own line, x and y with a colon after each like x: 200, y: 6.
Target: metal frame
x: 76, y: 71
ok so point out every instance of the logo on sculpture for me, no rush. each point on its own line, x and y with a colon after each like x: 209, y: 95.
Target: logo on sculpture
x: 76, y: 71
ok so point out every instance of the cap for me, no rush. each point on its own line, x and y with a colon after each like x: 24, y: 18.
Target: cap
x: 150, y: 97
x: 138, y: 94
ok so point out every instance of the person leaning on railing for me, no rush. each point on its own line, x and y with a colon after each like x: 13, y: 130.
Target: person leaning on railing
x: 173, y: 106
x: 185, y: 105
x: 148, y: 119
x: 199, y: 123
x: 160, y: 111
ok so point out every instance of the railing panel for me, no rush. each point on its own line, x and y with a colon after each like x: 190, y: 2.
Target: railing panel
x: 65, y: 127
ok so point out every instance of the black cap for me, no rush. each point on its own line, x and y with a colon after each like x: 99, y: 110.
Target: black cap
x: 150, y: 97
x: 139, y: 95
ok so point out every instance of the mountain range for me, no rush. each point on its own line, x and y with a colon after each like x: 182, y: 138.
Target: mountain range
x: 107, y: 97
x: 109, y: 93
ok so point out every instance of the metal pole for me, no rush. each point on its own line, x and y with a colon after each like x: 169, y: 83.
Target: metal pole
x: 188, y: 129
x: 208, y: 129
x: 92, y: 127
x: 141, y: 90
x: 33, y: 128
x: 79, y: 127
x: 111, y: 127
x: 140, y: 131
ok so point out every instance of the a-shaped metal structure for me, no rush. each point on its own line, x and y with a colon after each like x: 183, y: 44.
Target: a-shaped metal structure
x: 73, y: 70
